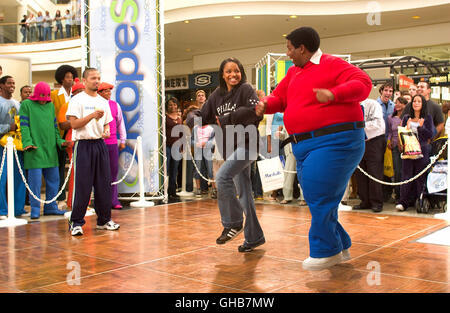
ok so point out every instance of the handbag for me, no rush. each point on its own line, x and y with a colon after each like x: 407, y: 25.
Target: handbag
x: 409, y: 143
x: 271, y: 173
x: 15, y: 134
x: 388, y: 163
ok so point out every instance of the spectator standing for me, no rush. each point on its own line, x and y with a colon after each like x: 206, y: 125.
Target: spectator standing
x: 24, y: 28
x: 386, y: 91
x: 25, y: 92
x: 64, y: 75
x: 172, y: 120
x: 41, y: 140
x: 394, y: 121
x: 369, y: 191
x: 59, y: 27
x: 116, y: 127
x: 39, y: 24
x: 407, y: 96
x: 434, y: 109
x: 421, y: 123
x: 68, y: 24
x: 32, y: 34
x: 412, y: 90
x: 9, y: 109
x: 89, y: 116
x: 48, y: 21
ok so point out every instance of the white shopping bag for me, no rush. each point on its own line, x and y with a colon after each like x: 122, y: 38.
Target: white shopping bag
x: 271, y: 173
x: 436, y: 182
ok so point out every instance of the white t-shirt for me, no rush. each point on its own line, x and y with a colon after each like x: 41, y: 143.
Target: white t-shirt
x: 82, y: 105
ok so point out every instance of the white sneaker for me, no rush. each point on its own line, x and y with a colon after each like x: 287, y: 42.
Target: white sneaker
x: 109, y: 226
x: 3, y: 217
x: 317, y: 264
x: 77, y: 231
x: 400, y: 207
x: 346, y: 255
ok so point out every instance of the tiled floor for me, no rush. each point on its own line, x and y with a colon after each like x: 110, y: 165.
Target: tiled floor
x: 171, y: 248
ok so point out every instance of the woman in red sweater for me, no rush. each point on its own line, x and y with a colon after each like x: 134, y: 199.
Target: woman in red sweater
x: 320, y: 97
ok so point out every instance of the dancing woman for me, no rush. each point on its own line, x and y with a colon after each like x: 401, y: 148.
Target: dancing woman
x: 233, y: 104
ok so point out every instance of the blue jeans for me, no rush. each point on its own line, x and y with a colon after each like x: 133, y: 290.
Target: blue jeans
x: 19, y: 187
x: 51, y: 176
x: 68, y: 31
x: 24, y: 34
x: 47, y: 33
x: 59, y: 29
x: 234, y: 176
x: 172, y: 171
x: 324, y: 166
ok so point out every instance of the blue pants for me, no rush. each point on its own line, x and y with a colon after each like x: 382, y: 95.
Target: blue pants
x: 91, y: 169
x: 19, y: 187
x: 51, y: 176
x: 234, y: 176
x: 324, y: 166
x: 172, y: 171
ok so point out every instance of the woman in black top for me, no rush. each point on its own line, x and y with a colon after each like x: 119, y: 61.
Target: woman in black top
x: 232, y: 108
x: 172, y: 120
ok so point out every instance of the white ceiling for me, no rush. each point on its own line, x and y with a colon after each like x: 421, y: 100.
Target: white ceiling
x: 210, y: 35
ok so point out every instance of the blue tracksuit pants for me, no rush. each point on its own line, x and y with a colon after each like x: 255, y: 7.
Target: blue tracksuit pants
x: 324, y: 166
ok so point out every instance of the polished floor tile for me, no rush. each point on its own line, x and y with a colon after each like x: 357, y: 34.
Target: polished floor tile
x: 172, y: 248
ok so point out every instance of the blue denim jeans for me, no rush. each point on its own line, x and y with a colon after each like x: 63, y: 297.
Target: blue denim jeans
x: 51, y: 176
x: 234, y: 177
x: 324, y: 166
x: 19, y: 187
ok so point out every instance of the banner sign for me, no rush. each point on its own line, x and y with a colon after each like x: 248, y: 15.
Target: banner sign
x: 123, y: 42
x: 177, y: 83
x: 204, y: 80
x: 404, y: 81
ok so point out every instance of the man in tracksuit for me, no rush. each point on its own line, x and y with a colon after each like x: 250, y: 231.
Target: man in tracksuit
x: 89, y: 116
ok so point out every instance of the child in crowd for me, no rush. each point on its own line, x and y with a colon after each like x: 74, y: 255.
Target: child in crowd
x: 41, y: 139
x: 117, y: 124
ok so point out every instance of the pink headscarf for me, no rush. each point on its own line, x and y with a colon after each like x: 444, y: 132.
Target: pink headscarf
x: 41, y: 92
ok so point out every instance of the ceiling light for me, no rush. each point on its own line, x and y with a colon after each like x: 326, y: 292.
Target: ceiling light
x: 188, y: 49
x: 293, y: 16
x: 237, y: 17
x: 186, y: 22
x: 416, y: 17
x: 284, y: 35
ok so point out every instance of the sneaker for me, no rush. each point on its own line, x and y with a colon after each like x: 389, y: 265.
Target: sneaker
x: 109, y: 226
x: 117, y: 207
x: 26, y: 214
x: 228, y: 234
x: 198, y: 193
x: 317, y: 264
x: 247, y: 248
x: 259, y: 198
x: 400, y: 207
x: 213, y: 193
x: 346, y: 255
x: 3, y: 217
x: 76, y: 231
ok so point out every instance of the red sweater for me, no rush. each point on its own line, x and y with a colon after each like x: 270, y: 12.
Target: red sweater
x: 302, y: 112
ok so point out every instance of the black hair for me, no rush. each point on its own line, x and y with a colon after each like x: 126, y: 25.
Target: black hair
x: 173, y: 99
x: 423, y: 111
x: 306, y: 36
x: 63, y: 70
x: 388, y: 84
x: 222, y: 83
x: 24, y: 87
x: 4, y: 79
x: 402, y: 101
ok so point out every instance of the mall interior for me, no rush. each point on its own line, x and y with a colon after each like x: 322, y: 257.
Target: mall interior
x: 170, y: 248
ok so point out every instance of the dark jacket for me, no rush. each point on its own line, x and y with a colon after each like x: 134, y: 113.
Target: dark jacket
x: 235, y: 107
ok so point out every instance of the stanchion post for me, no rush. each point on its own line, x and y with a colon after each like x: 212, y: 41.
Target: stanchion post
x: 446, y: 215
x: 11, y: 220
x: 183, y: 192
x: 142, y: 203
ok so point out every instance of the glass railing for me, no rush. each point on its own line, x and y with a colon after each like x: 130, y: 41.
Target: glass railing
x: 34, y: 33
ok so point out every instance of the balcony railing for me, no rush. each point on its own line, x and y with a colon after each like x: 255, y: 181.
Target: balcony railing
x: 34, y: 32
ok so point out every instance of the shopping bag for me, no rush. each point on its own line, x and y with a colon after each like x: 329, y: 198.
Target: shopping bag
x: 388, y: 163
x: 409, y: 143
x: 271, y: 174
x: 16, y: 135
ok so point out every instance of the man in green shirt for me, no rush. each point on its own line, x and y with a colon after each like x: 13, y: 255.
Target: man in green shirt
x: 41, y: 141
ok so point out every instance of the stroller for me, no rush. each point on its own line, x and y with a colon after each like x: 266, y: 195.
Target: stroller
x: 434, y: 194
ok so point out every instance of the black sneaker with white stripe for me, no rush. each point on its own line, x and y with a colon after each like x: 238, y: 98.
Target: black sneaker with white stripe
x: 228, y: 234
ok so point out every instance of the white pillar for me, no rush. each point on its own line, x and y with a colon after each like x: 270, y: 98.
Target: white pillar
x: 142, y: 203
